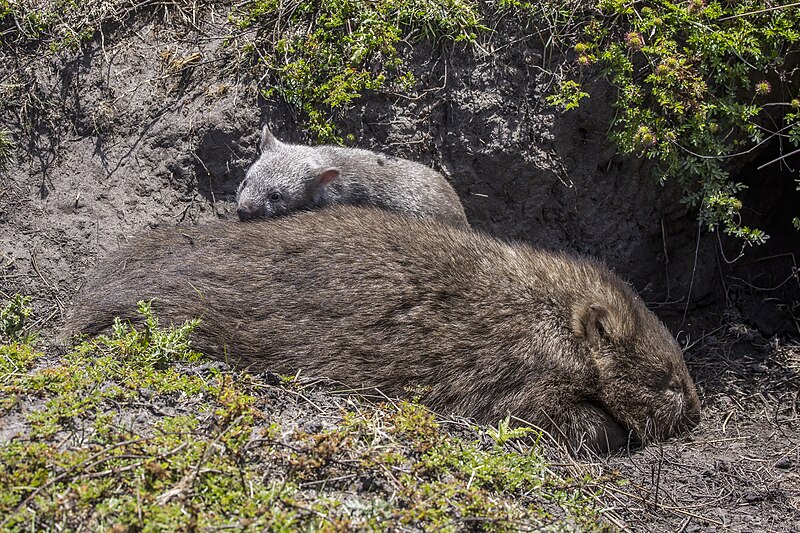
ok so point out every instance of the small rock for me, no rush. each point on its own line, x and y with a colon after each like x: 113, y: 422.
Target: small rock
x: 752, y: 497
x: 783, y: 462
x: 313, y: 426
x: 369, y: 484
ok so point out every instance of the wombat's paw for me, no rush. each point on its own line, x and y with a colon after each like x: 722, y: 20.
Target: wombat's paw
x: 593, y: 430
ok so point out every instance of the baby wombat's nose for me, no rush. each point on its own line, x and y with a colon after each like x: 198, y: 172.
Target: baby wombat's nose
x: 247, y: 211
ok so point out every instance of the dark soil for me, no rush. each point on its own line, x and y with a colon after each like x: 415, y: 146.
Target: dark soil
x: 114, y: 138
x: 740, y: 469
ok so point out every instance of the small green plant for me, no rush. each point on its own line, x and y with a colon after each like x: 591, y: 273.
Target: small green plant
x: 151, y: 345
x: 13, y: 318
x: 504, y: 432
x: 569, y: 95
x: 329, y: 53
x: 5, y: 9
x: 698, y: 83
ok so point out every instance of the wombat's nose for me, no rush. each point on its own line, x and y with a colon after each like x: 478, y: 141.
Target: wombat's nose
x: 248, y: 211
x: 692, y: 411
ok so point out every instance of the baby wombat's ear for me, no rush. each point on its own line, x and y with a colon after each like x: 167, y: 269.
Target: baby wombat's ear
x: 325, y: 176
x: 268, y: 140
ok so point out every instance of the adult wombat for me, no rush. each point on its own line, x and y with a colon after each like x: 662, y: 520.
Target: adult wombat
x: 291, y: 177
x: 372, y: 298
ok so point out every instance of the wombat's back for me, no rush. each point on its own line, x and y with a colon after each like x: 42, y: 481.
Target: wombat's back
x: 339, y: 264
x: 371, y: 298
x: 393, y: 183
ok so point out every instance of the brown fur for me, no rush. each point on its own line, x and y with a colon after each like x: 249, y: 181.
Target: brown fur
x: 371, y: 298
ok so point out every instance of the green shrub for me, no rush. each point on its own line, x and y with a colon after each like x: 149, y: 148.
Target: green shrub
x: 13, y: 318
x: 698, y: 83
x: 321, y: 56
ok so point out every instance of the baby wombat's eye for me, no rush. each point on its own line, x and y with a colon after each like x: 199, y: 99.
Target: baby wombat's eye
x: 275, y: 197
x: 243, y: 184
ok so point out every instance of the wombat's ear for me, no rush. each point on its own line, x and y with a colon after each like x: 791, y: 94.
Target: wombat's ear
x: 590, y: 321
x: 327, y: 175
x: 268, y: 140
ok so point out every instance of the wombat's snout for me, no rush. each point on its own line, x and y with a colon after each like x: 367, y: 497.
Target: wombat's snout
x: 691, y: 412
x: 248, y: 211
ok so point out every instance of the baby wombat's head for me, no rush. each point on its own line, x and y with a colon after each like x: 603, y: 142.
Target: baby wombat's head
x: 285, y: 178
x: 643, y: 380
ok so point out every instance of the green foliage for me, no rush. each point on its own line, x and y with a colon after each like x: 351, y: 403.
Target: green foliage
x: 130, y: 358
x: 120, y: 473
x: 151, y: 345
x: 451, y: 479
x: 15, y: 360
x: 13, y: 317
x: 63, y: 24
x: 569, y: 95
x: 504, y: 432
x: 698, y: 83
x: 327, y: 54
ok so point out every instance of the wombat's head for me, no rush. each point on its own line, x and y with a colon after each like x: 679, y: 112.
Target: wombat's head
x: 285, y: 178
x: 644, y: 384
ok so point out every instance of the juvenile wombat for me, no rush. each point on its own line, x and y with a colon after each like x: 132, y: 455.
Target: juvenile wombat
x: 372, y: 298
x: 291, y: 177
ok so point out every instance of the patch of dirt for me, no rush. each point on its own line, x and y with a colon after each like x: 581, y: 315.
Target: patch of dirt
x: 740, y: 468
x: 155, y: 124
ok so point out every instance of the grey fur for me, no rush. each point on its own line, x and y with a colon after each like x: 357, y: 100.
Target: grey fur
x: 372, y: 298
x: 290, y: 177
